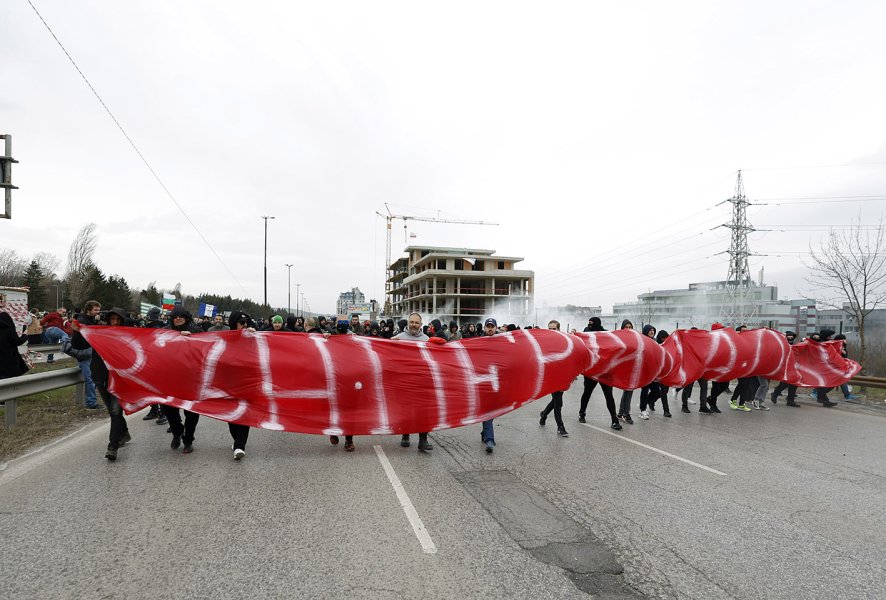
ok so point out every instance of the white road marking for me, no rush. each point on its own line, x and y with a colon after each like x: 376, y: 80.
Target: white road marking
x: 418, y: 527
x: 668, y: 454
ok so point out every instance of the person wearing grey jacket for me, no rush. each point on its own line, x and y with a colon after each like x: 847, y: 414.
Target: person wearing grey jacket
x: 414, y: 333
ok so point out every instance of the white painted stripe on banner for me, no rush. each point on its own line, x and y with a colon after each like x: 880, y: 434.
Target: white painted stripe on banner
x: 418, y: 527
x: 668, y: 454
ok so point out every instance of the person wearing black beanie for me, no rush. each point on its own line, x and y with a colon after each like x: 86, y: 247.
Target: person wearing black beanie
x: 594, y: 324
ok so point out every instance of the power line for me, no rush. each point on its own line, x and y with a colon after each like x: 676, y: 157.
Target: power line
x: 819, y: 200
x: 137, y: 151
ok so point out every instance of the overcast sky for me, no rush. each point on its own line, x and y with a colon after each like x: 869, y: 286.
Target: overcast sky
x: 600, y: 136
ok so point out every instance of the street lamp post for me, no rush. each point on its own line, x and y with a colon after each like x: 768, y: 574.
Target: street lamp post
x: 297, y: 304
x: 266, y: 256
x: 289, y: 289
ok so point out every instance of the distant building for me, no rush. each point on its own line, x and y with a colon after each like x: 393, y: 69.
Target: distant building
x: 699, y: 305
x: 350, y: 299
x: 459, y: 284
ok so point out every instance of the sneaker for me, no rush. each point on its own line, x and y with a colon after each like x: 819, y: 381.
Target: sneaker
x: 543, y: 418
x: 852, y: 397
x: 111, y: 454
x: 714, y: 408
x: 162, y: 420
x: 704, y: 410
x: 239, y: 454
x: 188, y: 448
x: 685, y: 409
x: 349, y: 446
x: 644, y: 414
x: 828, y: 403
x: 333, y: 439
x: 755, y: 405
x: 814, y: 394
x: 667, y: 413
x: 176, y: 442
x: 743, y: 407
x: 773, y: 398
x: 628, y: 420
x: 169, y: 429
x: 616, y: 425
x: 424, y: 446
x: 689, y: 400
x: 489, y: 446
x: 581, y: 419
x: 152, y: 414
x: 652, y: 406
x: 561, y: 431
x: 763, y: 406
x: 733, y: 405
x: 404, y: 440
x: 793, y: 404
x: 125, y: 439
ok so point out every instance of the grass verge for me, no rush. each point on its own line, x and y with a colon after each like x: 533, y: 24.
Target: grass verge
x: 43, y: 417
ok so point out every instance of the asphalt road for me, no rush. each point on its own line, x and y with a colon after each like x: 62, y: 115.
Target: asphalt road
x: 787, y: 503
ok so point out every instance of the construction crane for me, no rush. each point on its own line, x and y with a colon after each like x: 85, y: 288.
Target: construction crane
x: 389, y: 218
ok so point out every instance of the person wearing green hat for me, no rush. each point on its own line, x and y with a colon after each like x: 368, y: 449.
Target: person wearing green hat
x: 277, y: 324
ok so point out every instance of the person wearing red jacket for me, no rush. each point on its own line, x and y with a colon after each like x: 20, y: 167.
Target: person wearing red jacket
x: 54, y: 330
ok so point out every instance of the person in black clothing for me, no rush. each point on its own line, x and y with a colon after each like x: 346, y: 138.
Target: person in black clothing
x: 782, y: 386
x: 240, y: 433
x: 594, y: 324
x: 556, y: 403
x: 180, y: 320
x: 11, y: 362
x: 119, y: 434
x: 821, y: 393
x: 624, y: 407
x: 152, y: 321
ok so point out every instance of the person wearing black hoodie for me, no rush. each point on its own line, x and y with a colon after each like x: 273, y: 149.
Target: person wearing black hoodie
x: 11, y: 362
x: 821, y: 393
x: 556, y: 403
x: 594, y: 324
x: 240, y: 433
x: 624, y: 407
x: 180, y: 320
x: 782, y: 386
x: 119, y: 434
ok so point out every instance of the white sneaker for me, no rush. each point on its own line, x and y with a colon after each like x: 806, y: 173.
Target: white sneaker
x: 644, y: 414
x: 238, y: 454
x: 690, y: 401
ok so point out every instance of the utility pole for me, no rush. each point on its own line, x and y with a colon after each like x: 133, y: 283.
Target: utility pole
x: 289, y: 289
x: 297, y: 305
x: 266, y: 257
x: 739, y: 305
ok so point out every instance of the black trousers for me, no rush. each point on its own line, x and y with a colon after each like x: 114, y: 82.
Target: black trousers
x: 186, y: 431
x: 717, y: 388
x: 240, y: 433
x: 590, y: 384
x: 118, y: 422
x: 652, y: 392
x: 748, y: 387
x: 782, y: 386
x: 703, y: 387
x: 556, y: 405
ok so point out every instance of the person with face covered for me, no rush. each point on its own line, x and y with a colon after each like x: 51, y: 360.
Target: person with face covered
x: 782, y: 386
x: 343, y: 327
x: 821, y: 393
x: 594, y: 324
x: 240, y: 321
x: 624, y: 408
x: 180, y: 320
x: 654, y: 390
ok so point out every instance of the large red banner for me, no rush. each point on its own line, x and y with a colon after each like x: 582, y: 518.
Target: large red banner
x: 347, y: 384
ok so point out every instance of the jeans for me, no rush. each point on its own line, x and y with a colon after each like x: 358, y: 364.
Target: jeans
x: 118, y: 422
x: 624, y: 408
x: 488, y: 433
x: 86, y: 369
x: 54, y: 335
x: 760, y: 396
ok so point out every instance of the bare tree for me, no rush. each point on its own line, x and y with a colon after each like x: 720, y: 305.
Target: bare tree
x: 12, y: 267
x: 849, y: 273
x: 78, y: 280
x: 49, y: 263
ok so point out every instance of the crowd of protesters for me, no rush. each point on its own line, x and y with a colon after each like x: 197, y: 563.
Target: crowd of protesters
x: 59, y: 327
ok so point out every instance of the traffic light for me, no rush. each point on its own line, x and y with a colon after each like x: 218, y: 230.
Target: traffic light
x: 6, y: 161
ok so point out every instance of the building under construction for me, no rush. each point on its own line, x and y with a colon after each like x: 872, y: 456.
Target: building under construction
x: 459, y: 284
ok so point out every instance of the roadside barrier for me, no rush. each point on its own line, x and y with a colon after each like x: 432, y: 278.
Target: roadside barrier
x: 13, y: 388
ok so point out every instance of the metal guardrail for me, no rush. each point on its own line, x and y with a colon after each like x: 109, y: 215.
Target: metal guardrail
x: 13, y: 388
x: 865, y: 381
x: 47, y: 348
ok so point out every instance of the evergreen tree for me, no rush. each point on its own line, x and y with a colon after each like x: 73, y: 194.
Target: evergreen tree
x: 33, y: 279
